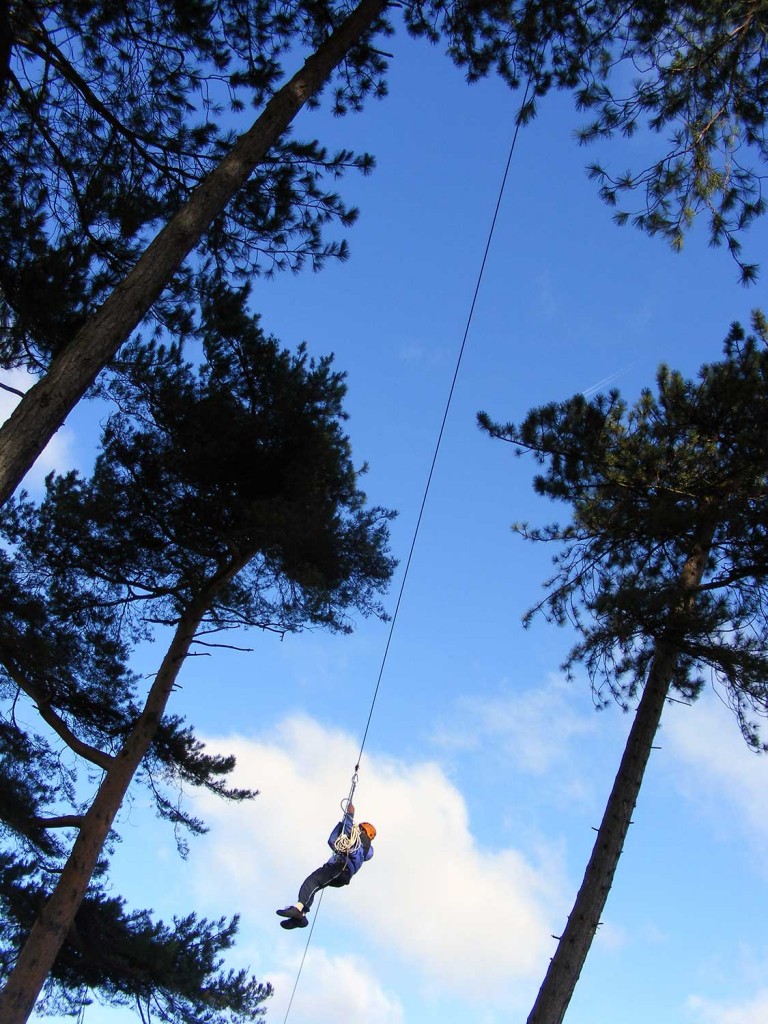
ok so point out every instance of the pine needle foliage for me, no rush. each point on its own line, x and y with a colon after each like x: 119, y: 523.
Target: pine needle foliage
x: 687, y: 81
x: 112, y: 113
x: 126, y: 195
x: 224, y: 496
x: 127, y: 958
x: 641, y: 483
x: 662, y: 570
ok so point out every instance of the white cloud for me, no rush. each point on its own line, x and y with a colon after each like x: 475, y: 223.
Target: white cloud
x: 751, y: 1011
x: 332, y: 988
x: 57, y: 455
x: 533, y: 729
x: 611, y: 936
x: 716, y: 761
x: 462, y: 915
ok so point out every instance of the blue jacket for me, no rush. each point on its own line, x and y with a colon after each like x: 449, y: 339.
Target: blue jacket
x: 354, y: 860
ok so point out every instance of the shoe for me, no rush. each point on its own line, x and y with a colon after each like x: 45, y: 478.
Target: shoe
x: 292, y: 912
x: 295, y: 922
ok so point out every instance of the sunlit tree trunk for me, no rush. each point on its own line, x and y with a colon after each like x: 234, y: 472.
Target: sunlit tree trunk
x: 565, y: 966
x: 39, y: 952
x: 46, y: 405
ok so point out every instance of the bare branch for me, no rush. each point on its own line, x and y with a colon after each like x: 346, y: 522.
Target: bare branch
x: 13, y: 391
x: 229, y: 647
x: 62, y: 821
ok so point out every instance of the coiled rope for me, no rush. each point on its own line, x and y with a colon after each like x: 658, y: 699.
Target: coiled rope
x: 348, y: 843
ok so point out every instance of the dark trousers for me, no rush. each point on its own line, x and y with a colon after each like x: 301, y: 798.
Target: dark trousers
x: 336, y: 874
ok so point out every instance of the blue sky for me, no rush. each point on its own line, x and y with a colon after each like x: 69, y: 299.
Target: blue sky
x: 484, y: 770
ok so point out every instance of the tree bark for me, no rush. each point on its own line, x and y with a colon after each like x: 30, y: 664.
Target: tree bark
x: 46, y: 405
x: 574, y: 944
x: 39, y: 952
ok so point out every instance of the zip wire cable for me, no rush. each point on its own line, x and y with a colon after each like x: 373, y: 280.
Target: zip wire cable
x: 442, y: 430
x: 420, y: 516
x: 304, y: 955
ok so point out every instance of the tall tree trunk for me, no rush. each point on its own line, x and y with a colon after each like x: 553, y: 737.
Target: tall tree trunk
x: 46, y: 405
x: 55, y: 919
x: 565, y: 966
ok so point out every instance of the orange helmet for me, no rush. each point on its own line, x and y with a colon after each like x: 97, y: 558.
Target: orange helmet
x: 367, y: 827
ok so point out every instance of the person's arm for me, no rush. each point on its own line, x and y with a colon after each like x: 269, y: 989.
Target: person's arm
x: 345, y: 825
x: 348, y: 819
x: 334, y: 835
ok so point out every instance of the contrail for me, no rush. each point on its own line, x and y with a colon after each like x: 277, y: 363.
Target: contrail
x: 607, y: 380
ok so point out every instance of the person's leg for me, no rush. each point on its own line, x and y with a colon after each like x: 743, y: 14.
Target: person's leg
x: 328, y: 874
x: 343, y: 878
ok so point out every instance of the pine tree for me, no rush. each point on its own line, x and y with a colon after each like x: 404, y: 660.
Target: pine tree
x: 107, y: 131
x: 128, y: 958
x: 89, y: 349
x: 115, y: 137
x: 226, y: 497
x: 663, y: 570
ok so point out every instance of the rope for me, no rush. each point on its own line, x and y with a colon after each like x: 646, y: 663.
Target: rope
x: 304, y: 956
x: 348, y: 843
x: 442, y: 426
x: 423, y: 504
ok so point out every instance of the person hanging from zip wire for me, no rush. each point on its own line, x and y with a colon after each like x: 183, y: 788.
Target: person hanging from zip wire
x: 351, y: 845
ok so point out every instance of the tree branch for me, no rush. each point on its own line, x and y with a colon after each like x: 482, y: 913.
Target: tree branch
x: 13, y: 391
x: 55, y: 721
x: 229, y: 647
x: 718, y: 582
x: 62, y: 821
x: 49, y: 52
